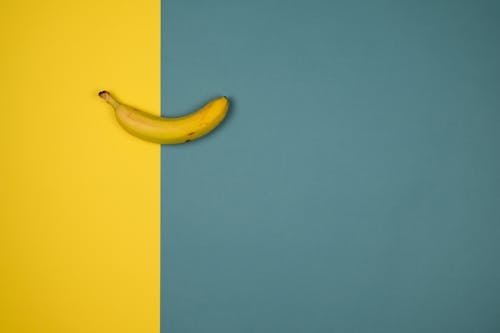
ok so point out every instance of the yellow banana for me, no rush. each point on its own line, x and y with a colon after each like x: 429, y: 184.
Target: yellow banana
x: 169, y: 130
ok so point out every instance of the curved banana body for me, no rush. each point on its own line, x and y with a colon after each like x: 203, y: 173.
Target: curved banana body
x: 169, y: 130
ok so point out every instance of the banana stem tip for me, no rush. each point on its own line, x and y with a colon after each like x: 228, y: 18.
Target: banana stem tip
x: 104, y: 94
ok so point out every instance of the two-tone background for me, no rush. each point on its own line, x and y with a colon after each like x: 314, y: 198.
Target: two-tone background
x: 355, y: 186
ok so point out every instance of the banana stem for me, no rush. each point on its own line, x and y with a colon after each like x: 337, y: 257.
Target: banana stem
x: 105, y: 95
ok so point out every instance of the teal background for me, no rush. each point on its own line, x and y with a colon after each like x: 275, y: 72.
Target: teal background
x: 355, y: 186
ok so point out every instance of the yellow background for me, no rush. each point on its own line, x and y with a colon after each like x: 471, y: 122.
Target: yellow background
x: 80, y: 198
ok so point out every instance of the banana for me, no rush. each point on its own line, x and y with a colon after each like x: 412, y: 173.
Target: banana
x: 169, y: 130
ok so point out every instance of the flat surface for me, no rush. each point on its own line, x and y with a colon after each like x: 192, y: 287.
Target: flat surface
x: 79, y: 197
x: 355, y: 186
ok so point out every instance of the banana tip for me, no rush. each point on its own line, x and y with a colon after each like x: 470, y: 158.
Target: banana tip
x: 104, y: 94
